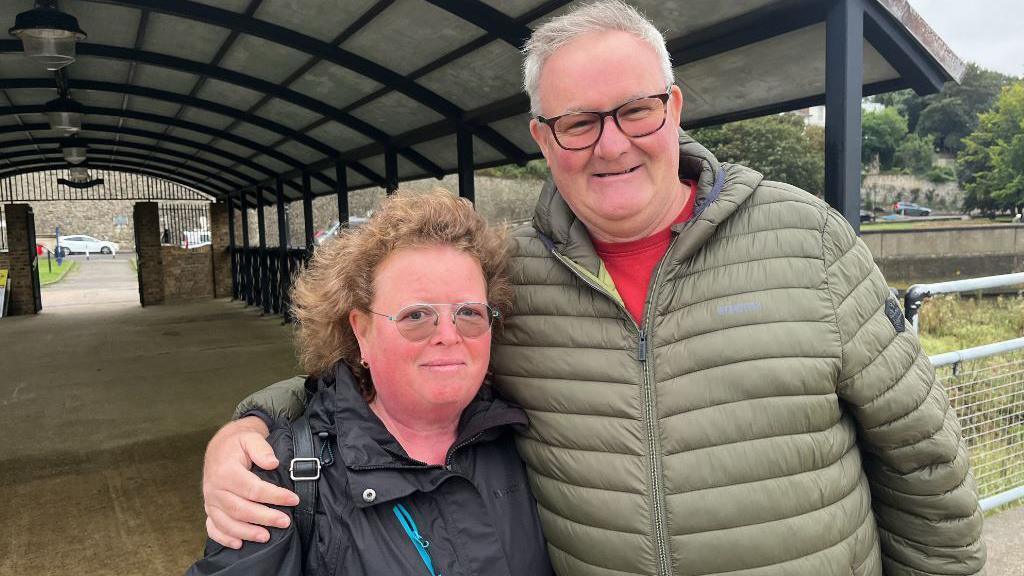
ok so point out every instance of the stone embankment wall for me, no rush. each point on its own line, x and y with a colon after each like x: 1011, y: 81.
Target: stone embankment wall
x: 938, y: 254
x: 104, y: 219
x: 883, y: 190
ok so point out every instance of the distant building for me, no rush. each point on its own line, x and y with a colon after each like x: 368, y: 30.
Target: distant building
x: 815, y: 115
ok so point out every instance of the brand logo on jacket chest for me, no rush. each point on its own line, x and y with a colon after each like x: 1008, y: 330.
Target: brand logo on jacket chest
x: 739, y: 308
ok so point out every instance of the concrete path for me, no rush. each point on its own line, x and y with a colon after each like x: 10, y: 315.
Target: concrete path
x: 104, y: 416
x: 100, y: 280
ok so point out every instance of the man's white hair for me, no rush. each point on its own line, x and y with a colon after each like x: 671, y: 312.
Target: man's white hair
x: 599, y: 16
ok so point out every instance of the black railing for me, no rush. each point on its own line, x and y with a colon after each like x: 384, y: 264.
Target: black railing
x: 259, y: 279
x: 185, y: 225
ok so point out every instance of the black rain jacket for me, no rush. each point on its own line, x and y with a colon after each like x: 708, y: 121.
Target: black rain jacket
x: 475, y: 515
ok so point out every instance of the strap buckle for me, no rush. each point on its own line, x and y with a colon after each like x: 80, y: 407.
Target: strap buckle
x: 302, y: 475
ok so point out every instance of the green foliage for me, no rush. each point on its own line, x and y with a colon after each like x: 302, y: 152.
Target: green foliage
x: 991, y: 165
x: 883, y: 131
x: 915, y: 154
x: 952, y: 114
x: 778, y: 146
x: 940, y: 174
x: 534, y: 170
x: 950, y: 322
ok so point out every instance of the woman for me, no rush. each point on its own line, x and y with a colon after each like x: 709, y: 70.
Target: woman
x: 419, y: 473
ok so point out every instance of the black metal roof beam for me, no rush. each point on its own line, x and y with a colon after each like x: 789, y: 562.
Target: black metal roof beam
x: 789, y: 105
x: 217, y: 58
x: 366, y: 17
x: 113, y: 112
x: 166, y: 96
x: 892, y: 40
x: 140, y: 39
x: 745, y: 29
x: 146, y: 160
x: 102, y: 145
x: 21, y: 122
x: 158, y: 119
x: 301, y: 42
x: 28, y: 167
x: 494, y: 21
x: 222, y: 74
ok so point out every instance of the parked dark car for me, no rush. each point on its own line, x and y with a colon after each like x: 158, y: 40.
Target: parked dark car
x: 867, y: 216
x: 910, y: 209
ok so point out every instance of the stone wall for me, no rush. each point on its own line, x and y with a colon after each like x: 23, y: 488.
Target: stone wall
x: 103, y: 219
x: 219, y: 245
x: 187, y: 274
x: 498, y: 199
x: 19, y: 261
x: 146, y: 218
x: 883, y: 190
x: 938, y: 254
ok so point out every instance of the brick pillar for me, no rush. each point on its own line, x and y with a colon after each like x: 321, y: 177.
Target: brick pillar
x: 20, y: 257
x: 146, y: 216
x: 219, y: 246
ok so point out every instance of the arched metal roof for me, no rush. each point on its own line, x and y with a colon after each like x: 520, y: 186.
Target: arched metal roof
x: 234, y: 94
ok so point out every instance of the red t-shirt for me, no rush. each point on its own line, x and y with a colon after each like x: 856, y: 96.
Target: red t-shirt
x: 630, y: 264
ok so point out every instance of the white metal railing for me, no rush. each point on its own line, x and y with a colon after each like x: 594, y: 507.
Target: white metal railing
x: 985, y: 385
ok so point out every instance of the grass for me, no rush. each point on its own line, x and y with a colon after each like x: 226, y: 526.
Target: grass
x: 949, y: 322
x: 52, y: 273
x: 987, y: 394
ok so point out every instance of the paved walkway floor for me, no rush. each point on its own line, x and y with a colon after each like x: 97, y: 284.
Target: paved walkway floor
x: 100, y: 280
x: 104, y: 415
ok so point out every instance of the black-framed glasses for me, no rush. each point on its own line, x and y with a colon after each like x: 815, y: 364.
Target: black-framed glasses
x: 418, y: 322
x: 581, y: 130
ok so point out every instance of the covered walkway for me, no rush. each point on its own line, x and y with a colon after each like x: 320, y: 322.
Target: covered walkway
x: 105, y: 417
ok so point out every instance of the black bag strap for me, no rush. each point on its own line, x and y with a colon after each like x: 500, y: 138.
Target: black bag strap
x: 305, y: 473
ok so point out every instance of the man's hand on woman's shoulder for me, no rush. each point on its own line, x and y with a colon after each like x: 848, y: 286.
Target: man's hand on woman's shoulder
x: 233, y: 495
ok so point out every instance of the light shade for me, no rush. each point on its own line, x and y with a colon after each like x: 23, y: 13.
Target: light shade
x: 74, y: 153
x: 48, y: 35
x: 78, y: 174
x: 64, y: 114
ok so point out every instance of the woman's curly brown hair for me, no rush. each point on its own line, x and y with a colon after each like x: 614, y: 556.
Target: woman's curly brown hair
x: 340, y: 276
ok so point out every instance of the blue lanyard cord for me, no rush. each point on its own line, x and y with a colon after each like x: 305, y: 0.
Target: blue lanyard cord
x: 421, y: 543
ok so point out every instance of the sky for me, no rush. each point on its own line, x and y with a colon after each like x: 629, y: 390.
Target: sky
x: 988, y: 32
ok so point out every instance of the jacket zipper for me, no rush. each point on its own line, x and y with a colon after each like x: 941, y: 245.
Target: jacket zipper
x: 641, y: 356
x: 657, y: 498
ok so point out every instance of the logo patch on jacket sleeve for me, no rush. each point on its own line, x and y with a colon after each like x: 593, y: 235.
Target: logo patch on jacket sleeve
x: 895, y: 315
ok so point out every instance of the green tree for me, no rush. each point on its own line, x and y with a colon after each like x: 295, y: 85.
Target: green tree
x: 991, y: 165
x: 778, y: 146
x: 915, y: 154
x: 951, y: 114
x: 883, y: 132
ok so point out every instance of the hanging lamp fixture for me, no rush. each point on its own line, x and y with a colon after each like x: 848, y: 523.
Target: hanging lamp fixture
x: 74, y: 151
x: 47, y: 34
x: 64, y: 114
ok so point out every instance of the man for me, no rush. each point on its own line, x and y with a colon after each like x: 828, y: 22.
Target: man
x: 717, y: 378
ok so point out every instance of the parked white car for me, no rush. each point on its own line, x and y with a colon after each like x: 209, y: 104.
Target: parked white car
x: 80, y: 244
x: 196, y: 238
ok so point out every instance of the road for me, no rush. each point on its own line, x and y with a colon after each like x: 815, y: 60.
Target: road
x: 100, y: 280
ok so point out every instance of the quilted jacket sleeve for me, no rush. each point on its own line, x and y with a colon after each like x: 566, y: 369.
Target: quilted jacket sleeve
x: 282, y: 555
x: 284, y: 400
x: 923, y: 494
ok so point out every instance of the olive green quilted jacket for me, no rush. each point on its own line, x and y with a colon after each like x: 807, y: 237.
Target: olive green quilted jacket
x: 771, y: 415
